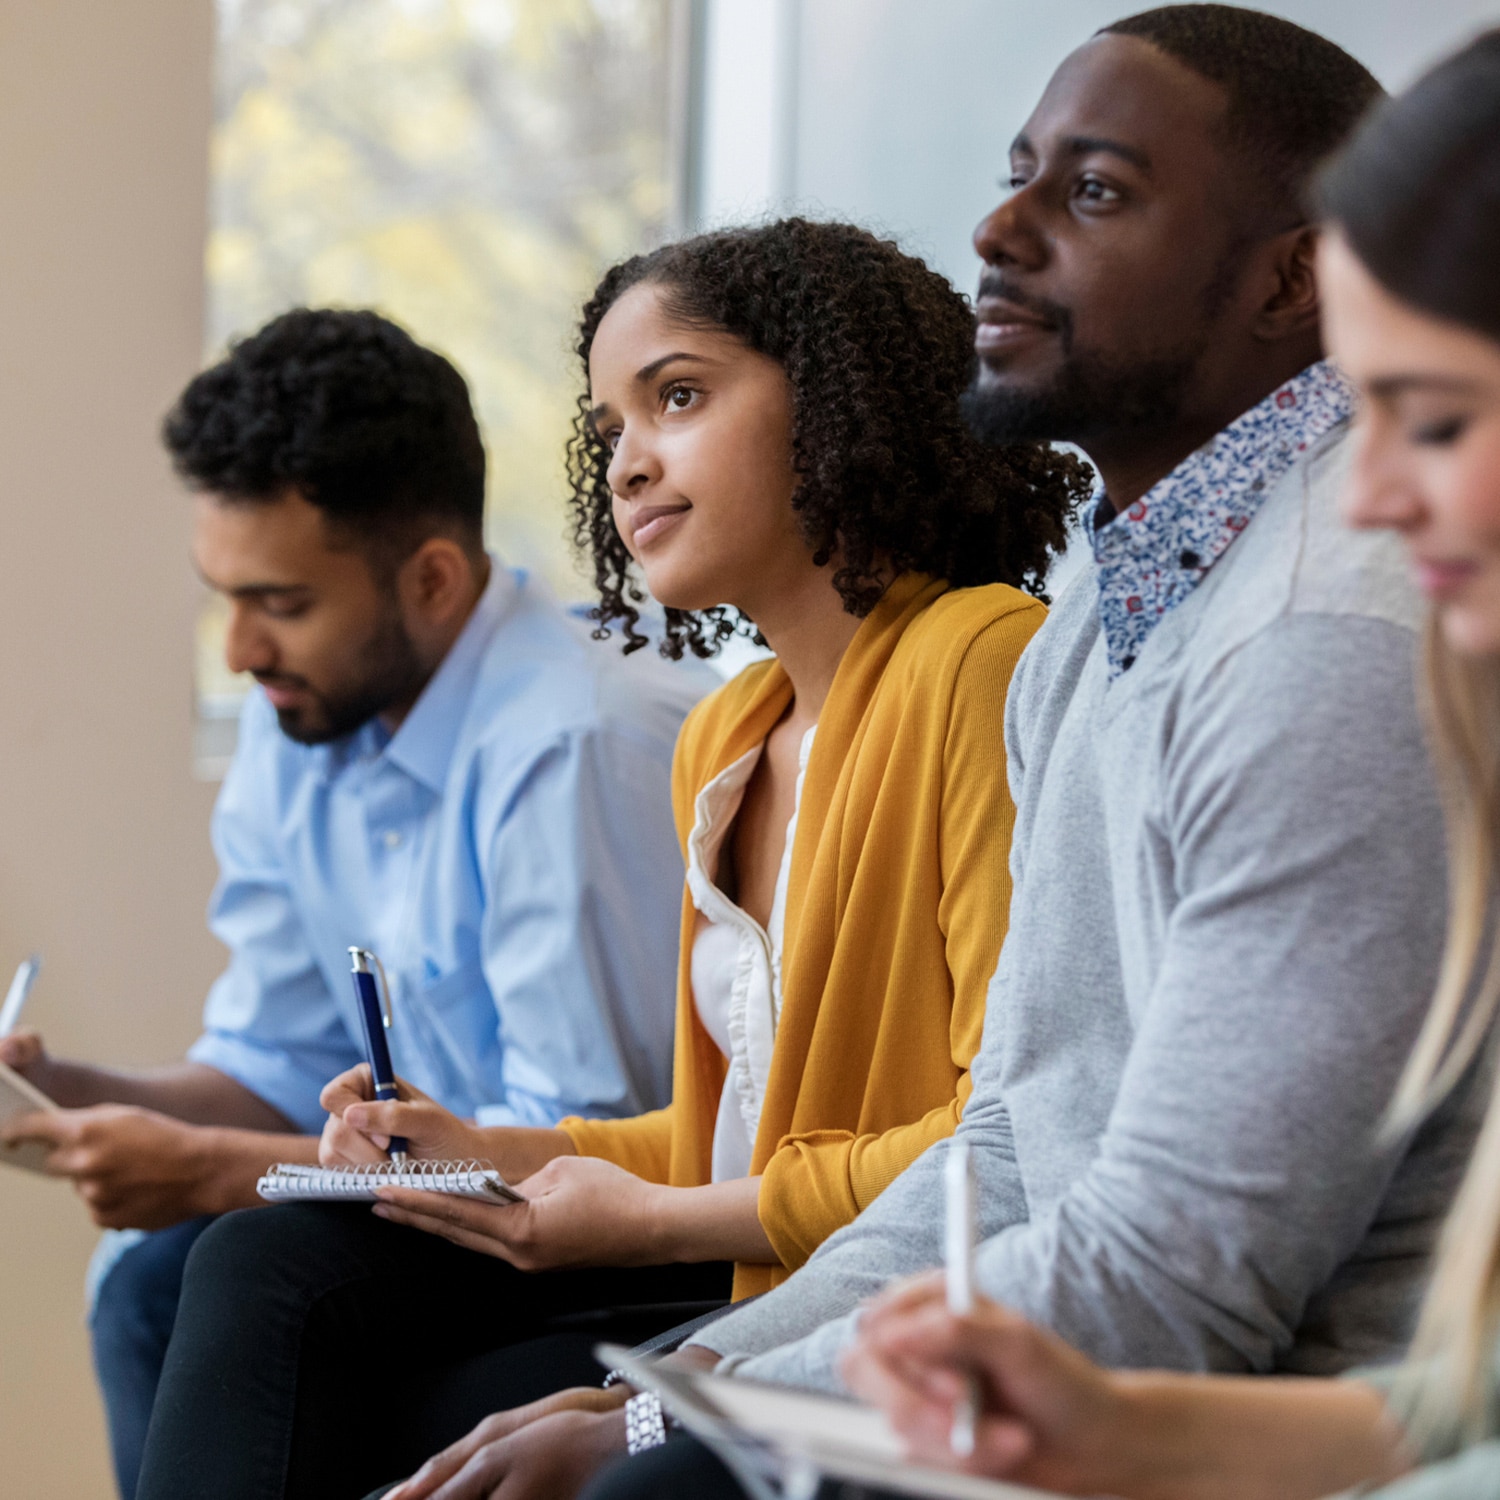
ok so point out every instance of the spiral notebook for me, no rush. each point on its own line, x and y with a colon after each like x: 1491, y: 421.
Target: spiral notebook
x: 290, y: 1182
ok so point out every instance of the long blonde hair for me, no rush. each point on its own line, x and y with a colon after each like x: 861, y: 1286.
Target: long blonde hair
x: 1461, y: 1317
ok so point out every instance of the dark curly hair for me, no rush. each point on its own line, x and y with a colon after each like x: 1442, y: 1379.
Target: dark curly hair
x: 877, y: 349
x: 349, y: 410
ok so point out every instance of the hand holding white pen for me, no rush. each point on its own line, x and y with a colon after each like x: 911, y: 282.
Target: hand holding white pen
x: 22, y: 1050
x: 958, y: 1180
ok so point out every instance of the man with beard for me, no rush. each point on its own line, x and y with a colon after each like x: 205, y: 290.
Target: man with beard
x: 437, y: 764
x: 1228, y: 858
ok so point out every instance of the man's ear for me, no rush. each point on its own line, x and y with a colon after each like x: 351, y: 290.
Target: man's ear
x: 1291, y: 307
x: 436, y: 583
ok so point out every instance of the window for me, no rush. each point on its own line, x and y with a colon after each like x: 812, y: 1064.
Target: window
x: 468, y: 167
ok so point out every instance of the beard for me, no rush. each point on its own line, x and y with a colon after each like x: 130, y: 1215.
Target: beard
x: 1090, y: 394
x: 1094, y: 392
x: 387, y: 672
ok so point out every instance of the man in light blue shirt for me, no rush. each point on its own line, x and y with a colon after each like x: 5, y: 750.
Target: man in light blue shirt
x: 508, y: 852
x: 438, y: 763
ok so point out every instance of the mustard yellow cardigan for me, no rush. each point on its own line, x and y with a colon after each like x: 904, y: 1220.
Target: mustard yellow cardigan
x: 896, y: 907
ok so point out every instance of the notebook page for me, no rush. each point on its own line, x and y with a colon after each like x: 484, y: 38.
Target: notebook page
x: 17, y: 1097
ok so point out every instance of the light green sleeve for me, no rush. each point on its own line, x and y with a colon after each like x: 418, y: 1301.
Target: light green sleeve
x: 1446, y: 1473
x: 1473, y: 1474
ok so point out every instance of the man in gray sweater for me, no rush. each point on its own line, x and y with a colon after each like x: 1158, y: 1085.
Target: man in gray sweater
x: 1228, y: 861
x: 1228, y: 854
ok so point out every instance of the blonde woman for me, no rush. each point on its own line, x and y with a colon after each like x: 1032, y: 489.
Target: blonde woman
x: 1412, y: 307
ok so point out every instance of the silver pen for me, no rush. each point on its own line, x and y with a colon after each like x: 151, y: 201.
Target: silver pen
x: 958, y: 1181
x: 16, y: 995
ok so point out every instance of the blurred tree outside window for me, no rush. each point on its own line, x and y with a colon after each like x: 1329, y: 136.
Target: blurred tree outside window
x: 467, y: 167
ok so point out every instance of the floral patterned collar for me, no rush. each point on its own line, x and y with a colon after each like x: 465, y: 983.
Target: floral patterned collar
x: 1151, y: 557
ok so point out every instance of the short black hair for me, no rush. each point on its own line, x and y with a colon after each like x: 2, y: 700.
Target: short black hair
x: 877, y: 348
x: 1417, y: 191
x: 346, y: 408
x: 1294, y: 97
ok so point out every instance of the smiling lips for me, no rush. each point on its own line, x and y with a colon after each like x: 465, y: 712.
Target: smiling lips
x: 1002, y: 324
x: 1439, y: 578
x: 652, y: 521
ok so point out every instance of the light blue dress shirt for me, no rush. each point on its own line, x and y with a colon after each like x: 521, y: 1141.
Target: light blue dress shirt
x: 509, y: 853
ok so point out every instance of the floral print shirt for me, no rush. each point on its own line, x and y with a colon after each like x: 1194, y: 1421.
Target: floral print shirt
x: 1153, y: 555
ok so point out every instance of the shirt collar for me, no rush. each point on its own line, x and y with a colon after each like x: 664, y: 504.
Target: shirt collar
x: 423, y: 745
x: 1154, y: 554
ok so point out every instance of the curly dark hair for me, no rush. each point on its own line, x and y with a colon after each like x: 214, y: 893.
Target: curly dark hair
x: 349, y: 410
x: 877, y: 349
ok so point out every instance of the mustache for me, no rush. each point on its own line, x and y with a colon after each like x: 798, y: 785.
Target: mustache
x: 993, y: 283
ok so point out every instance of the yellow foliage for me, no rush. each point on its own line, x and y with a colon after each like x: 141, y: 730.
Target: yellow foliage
x: 469, y: 168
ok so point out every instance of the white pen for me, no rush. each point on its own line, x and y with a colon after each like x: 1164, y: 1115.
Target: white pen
x: 958, y: 1180
x: 15, y: 996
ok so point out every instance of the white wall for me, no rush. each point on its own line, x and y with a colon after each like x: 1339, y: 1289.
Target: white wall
x: 902, y: 113
x: 105, y: 864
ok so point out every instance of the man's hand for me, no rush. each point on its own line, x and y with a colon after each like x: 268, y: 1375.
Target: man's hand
x: 486, y: 1458
x: 579, y: 1211
x: 23, y: 1053
x: 135, y: 1169
x: 359, y: 1130
x: 1048, y: 1416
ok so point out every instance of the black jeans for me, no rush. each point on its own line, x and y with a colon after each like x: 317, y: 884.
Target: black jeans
x: 683, y: 1469
x: 320, y: 1352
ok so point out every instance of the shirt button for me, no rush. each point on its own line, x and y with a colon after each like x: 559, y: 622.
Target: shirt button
x: 392, y: 839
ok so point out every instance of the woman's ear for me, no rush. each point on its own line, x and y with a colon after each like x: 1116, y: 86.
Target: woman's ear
x: 1292, y: 306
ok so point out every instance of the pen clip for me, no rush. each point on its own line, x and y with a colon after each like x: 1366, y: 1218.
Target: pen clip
x: 363, y: 958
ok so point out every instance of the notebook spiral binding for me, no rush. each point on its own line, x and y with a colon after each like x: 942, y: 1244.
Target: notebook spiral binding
x: 473, y: 1175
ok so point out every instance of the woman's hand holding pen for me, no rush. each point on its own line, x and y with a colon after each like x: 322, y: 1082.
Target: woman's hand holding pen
x: 1049, y: 1417
x: 359, y: 1129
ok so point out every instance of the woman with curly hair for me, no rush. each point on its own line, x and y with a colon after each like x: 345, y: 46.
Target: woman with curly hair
x: 772, y: 434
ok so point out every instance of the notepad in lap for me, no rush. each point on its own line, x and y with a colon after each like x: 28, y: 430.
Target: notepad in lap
x: 290, y: 1182
x: 773, y: 1438
x: 17, y: 1097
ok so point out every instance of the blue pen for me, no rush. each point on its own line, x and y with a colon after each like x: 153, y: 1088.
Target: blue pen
x: 377, y: 1022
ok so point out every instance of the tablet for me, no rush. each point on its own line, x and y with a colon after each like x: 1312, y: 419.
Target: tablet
x: 17, y: 1097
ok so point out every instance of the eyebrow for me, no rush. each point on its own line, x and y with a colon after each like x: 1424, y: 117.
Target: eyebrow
x: 1087, y: 145
x: 1387, y: 386
x: 650, y: 372
x: 252, y: 590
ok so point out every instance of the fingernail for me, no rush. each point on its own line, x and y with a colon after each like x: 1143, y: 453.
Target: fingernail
x: 381, y: 1211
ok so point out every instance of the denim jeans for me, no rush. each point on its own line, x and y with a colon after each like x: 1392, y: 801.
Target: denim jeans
x: 129, y: 1327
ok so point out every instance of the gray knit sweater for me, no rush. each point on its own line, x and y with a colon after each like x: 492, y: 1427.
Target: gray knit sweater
x: 1228, y: 908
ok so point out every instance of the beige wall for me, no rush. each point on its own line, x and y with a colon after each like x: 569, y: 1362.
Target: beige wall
x: 104, y: 857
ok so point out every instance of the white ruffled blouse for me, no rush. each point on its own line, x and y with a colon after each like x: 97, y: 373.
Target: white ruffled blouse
x: 736, y: 963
